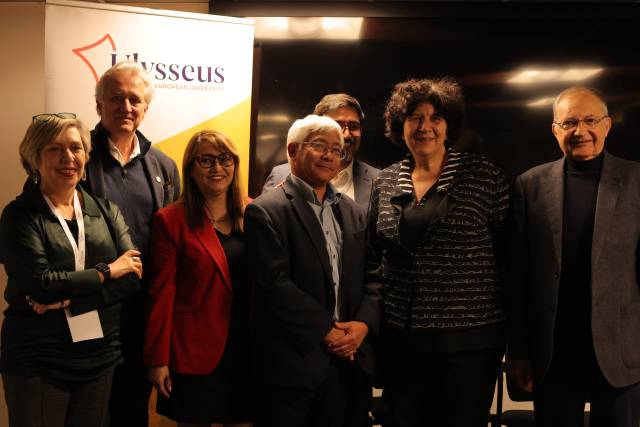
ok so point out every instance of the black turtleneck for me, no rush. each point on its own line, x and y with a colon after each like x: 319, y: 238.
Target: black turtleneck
x: 573, y: 322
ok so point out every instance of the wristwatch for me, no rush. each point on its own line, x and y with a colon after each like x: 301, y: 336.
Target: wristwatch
x: 104, y: 269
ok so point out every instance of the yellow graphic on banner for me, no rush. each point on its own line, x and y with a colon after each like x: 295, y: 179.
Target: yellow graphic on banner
x: 235, y: 123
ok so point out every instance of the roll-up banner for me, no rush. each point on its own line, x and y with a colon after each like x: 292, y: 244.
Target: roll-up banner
x: 201, y: 65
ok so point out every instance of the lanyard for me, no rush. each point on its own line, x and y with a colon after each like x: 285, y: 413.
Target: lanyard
x: 85, y: 326
x: 78, y: 248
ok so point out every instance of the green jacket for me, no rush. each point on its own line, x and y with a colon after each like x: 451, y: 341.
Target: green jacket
x: 39, y: 262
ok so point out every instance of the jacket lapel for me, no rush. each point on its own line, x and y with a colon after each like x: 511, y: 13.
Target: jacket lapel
x: 209, y: 239
x: 361, y: 183
x: 554, y: 184
x: 309, y: 222
x: 154, y: 173
x: 608, y: 191
x: 154, y: 176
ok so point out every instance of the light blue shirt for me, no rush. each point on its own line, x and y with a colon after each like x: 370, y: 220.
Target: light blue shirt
x: 330, y: 229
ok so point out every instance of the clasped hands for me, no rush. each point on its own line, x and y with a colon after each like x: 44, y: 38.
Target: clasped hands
x: 344, y: 338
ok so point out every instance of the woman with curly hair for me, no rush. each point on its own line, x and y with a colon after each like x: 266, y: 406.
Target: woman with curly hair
x: 436, y: 227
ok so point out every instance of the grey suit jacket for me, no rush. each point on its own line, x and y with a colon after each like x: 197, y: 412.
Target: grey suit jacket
x: 363, y: 177
x: 536, y: 262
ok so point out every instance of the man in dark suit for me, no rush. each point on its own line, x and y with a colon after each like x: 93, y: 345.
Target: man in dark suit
x: 313, y: 313
x: 125, y: 169
x: 355, y: 178
x: 575, y: 295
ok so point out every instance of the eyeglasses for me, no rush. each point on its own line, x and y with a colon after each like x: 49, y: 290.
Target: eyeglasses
x: 571, y: 124
x: 322, y: 148
x: 207, y: 161
x: 354, y: 127
x: 45, y: 117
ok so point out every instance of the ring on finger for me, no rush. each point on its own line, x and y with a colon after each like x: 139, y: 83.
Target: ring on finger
x: 135, y: 259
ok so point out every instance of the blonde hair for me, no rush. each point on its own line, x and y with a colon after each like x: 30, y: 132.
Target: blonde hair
x: 42, y: 132
x: 192, y: 198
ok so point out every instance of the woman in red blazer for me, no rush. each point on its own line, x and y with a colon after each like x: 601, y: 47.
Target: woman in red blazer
x: 197, y: 342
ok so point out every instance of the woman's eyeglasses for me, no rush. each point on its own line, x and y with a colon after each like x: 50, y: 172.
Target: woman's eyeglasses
x: 207, y: 161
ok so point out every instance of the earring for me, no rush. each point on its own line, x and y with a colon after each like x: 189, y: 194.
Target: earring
x: 84, y: 175
x: 35, y: 177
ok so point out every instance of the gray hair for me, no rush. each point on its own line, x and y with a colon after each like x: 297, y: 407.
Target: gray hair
x: 302, y: 128
x: 579, y: 89
x: 334, y: 101
x: 126, y: 66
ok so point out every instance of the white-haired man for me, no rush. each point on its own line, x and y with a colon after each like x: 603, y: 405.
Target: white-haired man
x: 354, y: 178
x: 313, y: 313
x: 127, y: 170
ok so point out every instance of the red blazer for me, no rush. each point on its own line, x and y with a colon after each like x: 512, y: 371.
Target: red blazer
x: 189, y: 296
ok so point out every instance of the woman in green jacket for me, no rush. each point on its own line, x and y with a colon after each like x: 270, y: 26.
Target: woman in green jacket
x: 70, y: 262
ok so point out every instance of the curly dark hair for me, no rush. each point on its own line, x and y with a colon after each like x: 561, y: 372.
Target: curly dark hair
x: 445, y: 94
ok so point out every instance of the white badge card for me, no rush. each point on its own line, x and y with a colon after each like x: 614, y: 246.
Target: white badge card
x: 84, y: 326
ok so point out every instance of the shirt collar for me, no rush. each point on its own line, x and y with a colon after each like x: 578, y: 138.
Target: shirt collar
x: 116, y: 154
x: 344, y: 177
x: 331, y: 195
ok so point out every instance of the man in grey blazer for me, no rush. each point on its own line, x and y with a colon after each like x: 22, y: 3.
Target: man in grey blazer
x: 574, y: 294
x: 355, y: 178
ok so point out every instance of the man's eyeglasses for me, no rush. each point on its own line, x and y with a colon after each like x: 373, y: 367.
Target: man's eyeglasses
x: 207, y: 161
x: 571, y: 124
x: 354, y: 127
x: 48, y: 116
x: 322, y: 148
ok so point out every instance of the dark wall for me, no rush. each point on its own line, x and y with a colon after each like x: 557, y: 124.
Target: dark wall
x: 482, y: 47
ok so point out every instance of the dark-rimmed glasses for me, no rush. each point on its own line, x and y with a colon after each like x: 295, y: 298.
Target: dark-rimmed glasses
x: 322, y: 148
x: 207, y: 161
x: 45, y: 117
x: 354, y: 127
x: 571, y: 124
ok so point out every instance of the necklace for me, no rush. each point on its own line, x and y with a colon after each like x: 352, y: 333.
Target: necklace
x: 214, y: 221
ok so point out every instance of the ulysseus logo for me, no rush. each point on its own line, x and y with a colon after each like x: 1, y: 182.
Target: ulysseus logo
x: 160, y: 70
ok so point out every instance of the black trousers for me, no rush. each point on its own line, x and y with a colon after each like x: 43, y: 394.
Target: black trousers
x: 559, y: 399
x: 129, y: 402
x: 342, y: 400
x: 440, y: 389
x: 39, y: 401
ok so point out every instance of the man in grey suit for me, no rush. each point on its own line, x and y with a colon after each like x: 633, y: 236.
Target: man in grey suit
x: 574, y: 292
x: 355, y: 178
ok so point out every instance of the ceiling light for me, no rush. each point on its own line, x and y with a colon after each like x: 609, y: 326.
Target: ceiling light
x: 546, y: 76
x: 542, y: 102
x: 297, y: 28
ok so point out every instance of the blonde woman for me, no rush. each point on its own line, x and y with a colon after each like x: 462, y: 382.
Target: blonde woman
x: 70, y: 263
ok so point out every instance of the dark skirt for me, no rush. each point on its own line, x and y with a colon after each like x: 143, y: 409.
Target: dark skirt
x: 226, y: 395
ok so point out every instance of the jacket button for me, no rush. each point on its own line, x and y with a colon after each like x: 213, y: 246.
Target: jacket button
x: 556, y: 275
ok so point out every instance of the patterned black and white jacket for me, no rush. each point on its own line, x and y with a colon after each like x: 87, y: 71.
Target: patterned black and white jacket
x: 453, y: 279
